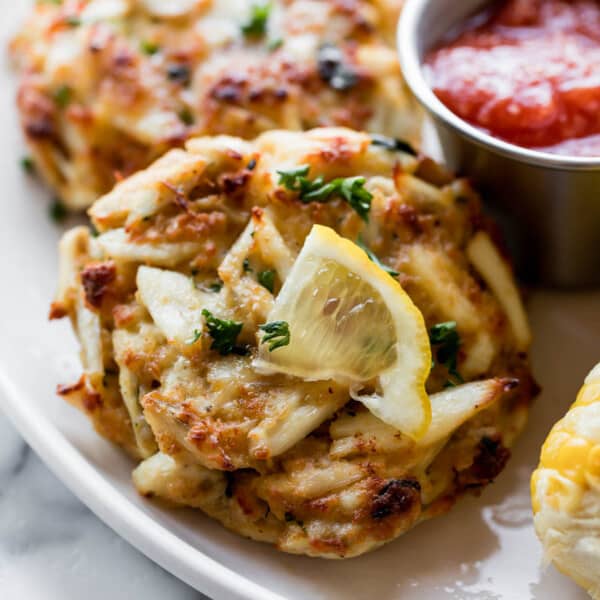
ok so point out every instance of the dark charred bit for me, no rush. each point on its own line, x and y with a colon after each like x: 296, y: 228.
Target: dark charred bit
x: 179, y: 73
x: 489, y: 461
x: 334, y: 69
x: 95, y: 279
x: 231, y: 182
x: 229, y: 89
x: 81, y: 395
x: 42, y: 129
x: 66, y: 389
x: 229, y: 486
x: 179, y: 197
x: 395, y: 497
x: 393, y: 144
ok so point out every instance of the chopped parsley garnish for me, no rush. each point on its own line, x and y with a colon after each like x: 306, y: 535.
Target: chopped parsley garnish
x: 267, y: 279
x: 216, y: 287
x: 224, y: 334
x: 256, y: 26
x: 197, y: 335
x: 360, y: 243
x: 393, y: 144
x: 274, y: 44
x: 351, y: 189
x: 295, y: 179
x: 73, y: 21
x: 28, y: 165
x: 58, y: 211
x: 334, y: 70
x: 246, y: 266
x: 62, y: 96
x: 149, y: 48
x: 186, y: 116
x: 277, y: 334
x: 447, y: 342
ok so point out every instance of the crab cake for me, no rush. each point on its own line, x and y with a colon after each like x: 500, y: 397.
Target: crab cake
x: 180, y: 300
x: 107, y: 86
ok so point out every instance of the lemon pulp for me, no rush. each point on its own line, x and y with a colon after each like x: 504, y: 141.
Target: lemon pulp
x: 350, y: 321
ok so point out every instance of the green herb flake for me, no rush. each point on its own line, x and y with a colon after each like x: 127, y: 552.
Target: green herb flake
x: 62, y: 96
x: 58, y: 211
x: 186, y: 116
x: 256, y: 26
x: 277, y: 334
x: 274, y: 44
x: 195, y: 337
x: 73, y: 21
x: 149, y: 48
x: 246, y: 266
x: 28, y: 165
x: 216, y: 287
x: 224, y: 334
x: 446, y: 340
x: 351, y: 189
x: 292, y: 179
x: 360, y: 243
x: 267, y: 280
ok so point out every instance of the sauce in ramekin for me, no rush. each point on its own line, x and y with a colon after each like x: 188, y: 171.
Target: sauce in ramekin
x: 528, y: 72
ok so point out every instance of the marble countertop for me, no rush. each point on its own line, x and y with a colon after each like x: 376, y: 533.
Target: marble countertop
x: 53, y: 548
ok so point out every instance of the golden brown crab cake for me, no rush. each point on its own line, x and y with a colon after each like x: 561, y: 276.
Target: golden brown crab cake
x: 107, y: 86
x: 188, y: 260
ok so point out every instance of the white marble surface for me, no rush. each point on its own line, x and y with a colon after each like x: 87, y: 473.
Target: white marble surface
x: 53, y: 548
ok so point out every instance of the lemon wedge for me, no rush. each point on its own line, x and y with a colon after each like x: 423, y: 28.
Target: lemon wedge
x: 348, y: 320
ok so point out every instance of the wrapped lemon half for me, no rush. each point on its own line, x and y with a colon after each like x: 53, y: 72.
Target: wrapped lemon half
x: 565, y: 490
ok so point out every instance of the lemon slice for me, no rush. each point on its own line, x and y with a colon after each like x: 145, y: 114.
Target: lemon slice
x: 350, y: 321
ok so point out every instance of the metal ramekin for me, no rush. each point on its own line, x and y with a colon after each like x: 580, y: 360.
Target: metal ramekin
x: 548, y: 205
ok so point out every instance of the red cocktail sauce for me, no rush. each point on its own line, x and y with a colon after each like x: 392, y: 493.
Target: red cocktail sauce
x: 527, y: 72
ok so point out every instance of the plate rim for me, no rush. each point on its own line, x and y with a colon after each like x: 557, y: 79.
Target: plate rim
x: 128, y: 521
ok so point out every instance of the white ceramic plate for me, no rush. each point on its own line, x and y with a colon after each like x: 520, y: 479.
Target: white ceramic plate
x: 485, y: 548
